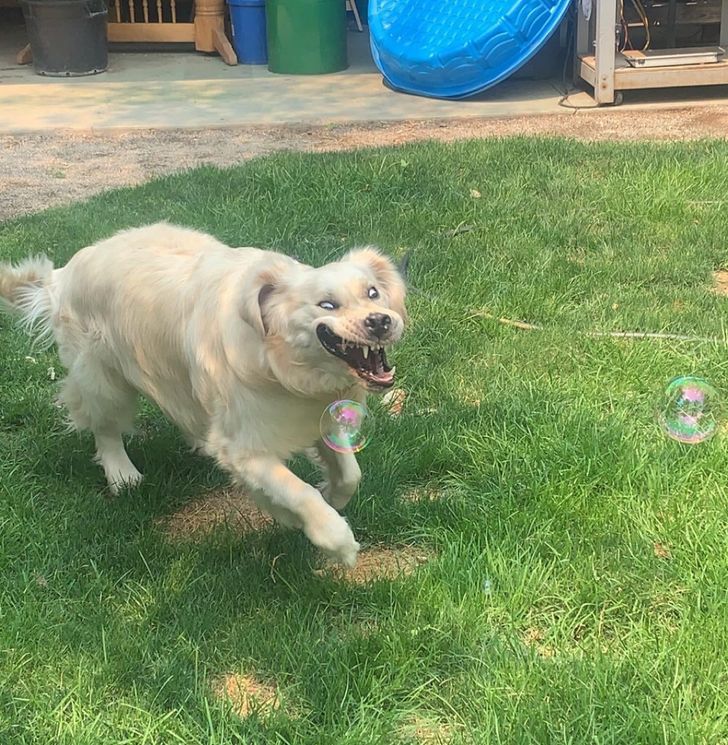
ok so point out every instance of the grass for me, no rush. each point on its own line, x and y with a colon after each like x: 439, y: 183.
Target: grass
x: 578, y: 590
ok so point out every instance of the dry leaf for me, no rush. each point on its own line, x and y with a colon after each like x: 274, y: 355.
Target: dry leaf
x: 534, y: 637
x: 475, y: 194
x: 40, y: 580
x: 394, y: 401
x: 661, y: 551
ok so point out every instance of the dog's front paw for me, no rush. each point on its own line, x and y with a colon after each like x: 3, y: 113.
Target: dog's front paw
x: 346, y: 555
x: 122, y: 480
x: 334, y: 537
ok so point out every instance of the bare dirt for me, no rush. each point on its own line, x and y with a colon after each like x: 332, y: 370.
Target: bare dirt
x: 380, y: 562
x: 197, y: 519
x: 425, y: 730
x: 534, y: 637
x: 43, y: 170
x: 247, y: 694
x: 720, y: 282
x: 231, y: 508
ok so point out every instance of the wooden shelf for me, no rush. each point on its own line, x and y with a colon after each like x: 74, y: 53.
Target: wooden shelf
x: 598, y: 63
x: 628, y: 78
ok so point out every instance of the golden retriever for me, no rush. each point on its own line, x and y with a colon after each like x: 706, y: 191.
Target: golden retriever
x: 243, y: 349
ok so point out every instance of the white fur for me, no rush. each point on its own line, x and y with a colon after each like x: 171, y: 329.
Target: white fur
x: 24, y: 287
x: 223, y: 340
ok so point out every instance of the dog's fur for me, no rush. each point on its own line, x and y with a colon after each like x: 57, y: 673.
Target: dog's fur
x: 224, y: 340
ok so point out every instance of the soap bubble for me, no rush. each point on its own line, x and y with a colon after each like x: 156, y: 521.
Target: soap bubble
x: 689, y: 410
x: 346, y: 426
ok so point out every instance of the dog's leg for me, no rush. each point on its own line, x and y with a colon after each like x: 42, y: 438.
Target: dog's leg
x: 342, y: 474
x: 279, y: 489
x: 98, y: 400
x: 113, y: 458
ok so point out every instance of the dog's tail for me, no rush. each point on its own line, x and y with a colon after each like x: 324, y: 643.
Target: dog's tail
x: 25, y: 291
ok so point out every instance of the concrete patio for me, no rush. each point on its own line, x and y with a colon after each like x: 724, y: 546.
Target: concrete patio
x: 182, y: 89
x: 185, y: 89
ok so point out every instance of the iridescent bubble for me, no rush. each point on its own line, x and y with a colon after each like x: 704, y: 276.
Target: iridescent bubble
x: 346, y: 426
x: 689, y: 411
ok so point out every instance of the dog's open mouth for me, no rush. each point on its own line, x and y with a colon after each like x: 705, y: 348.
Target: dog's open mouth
x: 369, y: 363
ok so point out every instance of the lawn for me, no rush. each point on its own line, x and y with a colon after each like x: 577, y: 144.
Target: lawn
x: 576, y: 587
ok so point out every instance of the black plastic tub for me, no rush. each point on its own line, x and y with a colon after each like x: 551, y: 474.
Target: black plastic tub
x: 67, y: 37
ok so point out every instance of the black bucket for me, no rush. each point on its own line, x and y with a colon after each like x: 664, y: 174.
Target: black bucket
x: 67, y: 37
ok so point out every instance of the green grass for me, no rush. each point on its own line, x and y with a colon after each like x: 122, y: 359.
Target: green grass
x: 554, y: 480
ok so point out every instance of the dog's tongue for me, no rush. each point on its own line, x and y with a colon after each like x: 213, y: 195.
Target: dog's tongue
x: 383, y: 377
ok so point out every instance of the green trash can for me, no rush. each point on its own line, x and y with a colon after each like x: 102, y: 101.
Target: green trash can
x: 306, y: 37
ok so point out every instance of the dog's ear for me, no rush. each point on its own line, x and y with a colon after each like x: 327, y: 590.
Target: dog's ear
x: 388, y: 278
x: 259, y: 296
x: 403, y: 266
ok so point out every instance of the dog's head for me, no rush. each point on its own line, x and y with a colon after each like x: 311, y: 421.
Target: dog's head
x: 328, y: 328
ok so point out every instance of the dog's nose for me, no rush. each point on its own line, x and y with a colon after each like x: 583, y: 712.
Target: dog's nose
x: 378, y: 324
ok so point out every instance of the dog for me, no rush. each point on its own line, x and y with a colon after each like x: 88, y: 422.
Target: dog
x: 242, y: 348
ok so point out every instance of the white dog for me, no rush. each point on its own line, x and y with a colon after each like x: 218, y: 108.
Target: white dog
x: 242, y: 348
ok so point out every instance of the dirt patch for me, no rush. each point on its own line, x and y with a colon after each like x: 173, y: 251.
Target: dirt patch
x: 534, y: 638
x: 427, y: 731
x: 247, y: 694
x: 380, y: 562
x: 222, y: 507
x: 231, y: 508
x: 44, y: 170
x: 720, y: 282
x: 427, y: 493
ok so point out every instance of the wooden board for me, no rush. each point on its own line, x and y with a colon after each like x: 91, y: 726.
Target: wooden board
x: 151, y: 32
x: 627, y: 77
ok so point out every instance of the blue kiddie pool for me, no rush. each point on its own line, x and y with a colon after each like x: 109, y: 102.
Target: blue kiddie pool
x: 457, y: 48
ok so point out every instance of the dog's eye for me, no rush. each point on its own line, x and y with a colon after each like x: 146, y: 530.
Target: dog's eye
x: 373, y: 293
x: 328, y: 305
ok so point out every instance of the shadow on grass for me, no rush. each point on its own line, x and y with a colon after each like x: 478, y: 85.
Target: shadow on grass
x: 160, y: 620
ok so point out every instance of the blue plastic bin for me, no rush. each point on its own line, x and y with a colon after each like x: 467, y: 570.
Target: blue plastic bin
x: 247, y: 19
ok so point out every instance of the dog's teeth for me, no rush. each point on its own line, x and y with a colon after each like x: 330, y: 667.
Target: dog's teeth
x: 365, y: 352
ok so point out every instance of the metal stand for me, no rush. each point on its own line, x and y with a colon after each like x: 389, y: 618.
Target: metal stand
x: 600, y: 64
x: 351, y: 5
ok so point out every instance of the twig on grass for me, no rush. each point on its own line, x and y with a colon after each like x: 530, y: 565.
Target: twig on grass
x: 613, y: 334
